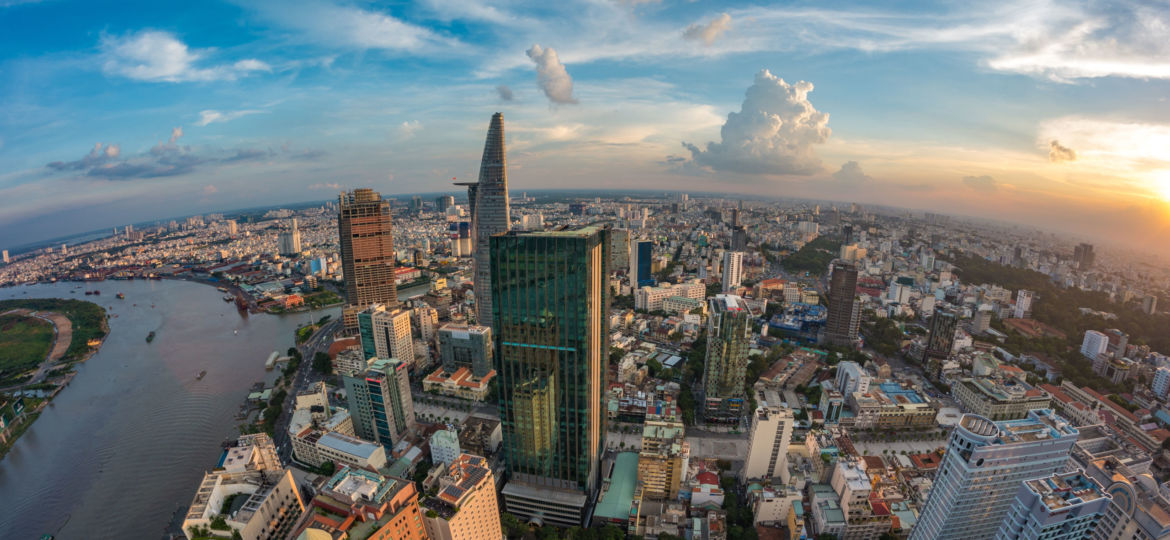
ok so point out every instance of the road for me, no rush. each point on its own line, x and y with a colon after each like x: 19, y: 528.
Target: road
x: 305, y: 376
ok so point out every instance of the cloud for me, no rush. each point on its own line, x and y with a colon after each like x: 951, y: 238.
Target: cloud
x: 210, y: 189
x: 553, y: 78
x: 851, y: 173
x: 985, y: 184
x: 504, y: 92
x: 332, y: 186
x: 99, y: 155
x: 176, y: 133
x: 773, y: 133
x: 167, y: 159
x: 409, y: 128
x: 156, y: 56
x: 708, y: 33
x: 1058, y: 153
x: 349, y: 26
x: 211, y: 116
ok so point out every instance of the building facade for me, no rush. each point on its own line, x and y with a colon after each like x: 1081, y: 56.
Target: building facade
x: 380, y: 403
x: 729, y: 332
x: 981, y: 472
x: 366, y: 234
x: 732, y: 270
x: 768, y: 438
x: 491, y: 213
x: 469, y: 346
x: 844, y: 318
x: 385, y: 333
x: 550, y: 319
x: 1064, y: 506
x: 465, y: 506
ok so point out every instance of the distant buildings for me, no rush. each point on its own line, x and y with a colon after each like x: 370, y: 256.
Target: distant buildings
x: 1083, y: 256
x: 641, y: 263
x: 844, y: 319
x: 262, y: 498
x: 1161, y: 384
x: 654, y: 298
x: 729, y: 332
x: 998, y: 398
x: 380, y: 402
x: 1094, y: 344
x: 363, y: 504
x: 367, y: 252
x: 940, y: 340
x: 288, y: 241
x: 981, y: 472
x: 550, y: 328
x: 1023, y: 308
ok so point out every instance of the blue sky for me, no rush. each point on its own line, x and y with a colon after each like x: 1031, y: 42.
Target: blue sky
x: 1048, y: 113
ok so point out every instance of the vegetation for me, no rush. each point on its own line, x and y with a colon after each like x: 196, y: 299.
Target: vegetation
x: 89, y: 320
x: 318, y: 300
x: 883, y: 334
x: 305, y: 332
x: 813, y: 257
x: 739, y: 516
x: 322, y: 363
x: 24, y: 343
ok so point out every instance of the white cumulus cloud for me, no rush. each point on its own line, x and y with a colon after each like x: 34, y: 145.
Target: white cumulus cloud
x: 551, y: 74
x: 155, y: 56
x: 851, y: 173
x: 774, y: 132
x: 708, y: 33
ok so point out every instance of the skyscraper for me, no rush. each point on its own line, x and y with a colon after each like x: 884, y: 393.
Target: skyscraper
x: 443, y: 202
x: 380, y: 403
x: 4, y: 255
x: 983, y: 468
x: 550, y: 306
x: 289, y: 240
x: 490, y: 213
x: 367, y: 252
x: 641, y: 261
x: 739, y: 238
x: 1083, y: 256
x: 729, y: 332
x: 771, y: 430
x: 844, y: 317
x: 732, y: 270
x: 940, y: 340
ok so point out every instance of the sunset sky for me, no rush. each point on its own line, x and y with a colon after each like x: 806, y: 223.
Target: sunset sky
x: 1044, y: 113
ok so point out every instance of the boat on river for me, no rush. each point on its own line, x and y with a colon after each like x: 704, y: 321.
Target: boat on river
x: 201, y: 374
x: 150, y: 336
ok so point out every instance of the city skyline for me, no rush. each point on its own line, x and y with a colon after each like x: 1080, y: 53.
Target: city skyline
x: 193, y: 115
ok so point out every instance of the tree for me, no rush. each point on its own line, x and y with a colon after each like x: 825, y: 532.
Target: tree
x: 322, y: 363
x: 512, y: 526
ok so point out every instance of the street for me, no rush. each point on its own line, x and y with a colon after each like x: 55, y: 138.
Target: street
x: 305, y: 375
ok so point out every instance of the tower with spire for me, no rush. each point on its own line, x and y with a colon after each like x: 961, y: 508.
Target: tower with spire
x: 490, y: 213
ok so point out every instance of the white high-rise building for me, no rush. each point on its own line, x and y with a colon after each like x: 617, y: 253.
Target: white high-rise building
x: 768, y: 439
x: 5, y: 256
x: 1064, y: 506
x: 1095, y: 344
x: 732, y: 269
x: 289, y: 240
x: 1023, y: 304
x: 983, y: 468
x: 391, y: 333
x: 851, y: 378
x: 1161, y: 385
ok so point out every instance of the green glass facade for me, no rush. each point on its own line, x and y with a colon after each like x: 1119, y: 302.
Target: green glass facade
x: 729, y: 332
x: 549, y: 315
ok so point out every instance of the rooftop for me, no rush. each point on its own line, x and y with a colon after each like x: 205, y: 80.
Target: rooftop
x: 615, y: 504
x: 1064, y: 490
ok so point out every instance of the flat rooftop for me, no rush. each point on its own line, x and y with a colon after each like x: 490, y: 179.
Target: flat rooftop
x: 1064, y: 490
x: 616, y: 502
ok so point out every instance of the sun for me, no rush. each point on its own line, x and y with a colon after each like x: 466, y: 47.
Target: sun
x: 1160, y: 184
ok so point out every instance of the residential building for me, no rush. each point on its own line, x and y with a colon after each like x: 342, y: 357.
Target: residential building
x: 367, y: 252
x: 1149, y: 304
x: 732, y: 270
x: 940, y: 340
x: 380, y: 402
x: 465, y: 506
x: 386, y: 333
x: 981, y: 321
x: 729, y: 332
x: 289, y: 239
x: 1139, y: 506
x: 490, y: 214
x: 1063, y: 506
x: 265, y: 500
x: 1023, y: 308
x: 663, y: 460
x: 480, y: 436
x: 852, y: 378
x: 768, y: 438
x: 351, y: 361
x: 844, y: 319
x: 999, y: 398
x: 654, y: 298
x: 549, y: 323
x: 980, y: 473
x: 1161, y: 384
x: 469, y: 346
x: 679, y: 305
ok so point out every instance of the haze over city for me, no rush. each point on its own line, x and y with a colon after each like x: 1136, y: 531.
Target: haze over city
x: 1044, y: 113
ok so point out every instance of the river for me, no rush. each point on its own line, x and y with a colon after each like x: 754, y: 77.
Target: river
x: 128, y: 441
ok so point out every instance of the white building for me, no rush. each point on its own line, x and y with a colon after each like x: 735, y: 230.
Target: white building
x: 768, y: 438
x: 1064, y: 506
x: 1023, y: 308
x: 732, y: 269
x: 347, y: 451
x: 445, y: 446
x: 350, y: 362
x: 1094, y: 345
x: 1161, y: 385
x: 852, y: 378
x: 392, y: 333
x: 985, y: 463
x: 652, y: 298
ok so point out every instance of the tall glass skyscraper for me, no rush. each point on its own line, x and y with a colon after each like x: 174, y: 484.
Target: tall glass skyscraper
x: 641, y: 264
x: 490, y: 213
x: 550, y: 301
x: 366, y: 235
x: 985, y: 464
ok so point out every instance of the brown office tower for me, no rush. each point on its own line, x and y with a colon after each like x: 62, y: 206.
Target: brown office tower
x: 367, y: 252
x: 844, y: 310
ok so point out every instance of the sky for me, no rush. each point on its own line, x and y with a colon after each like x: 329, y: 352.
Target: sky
x: 1051, y: 114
